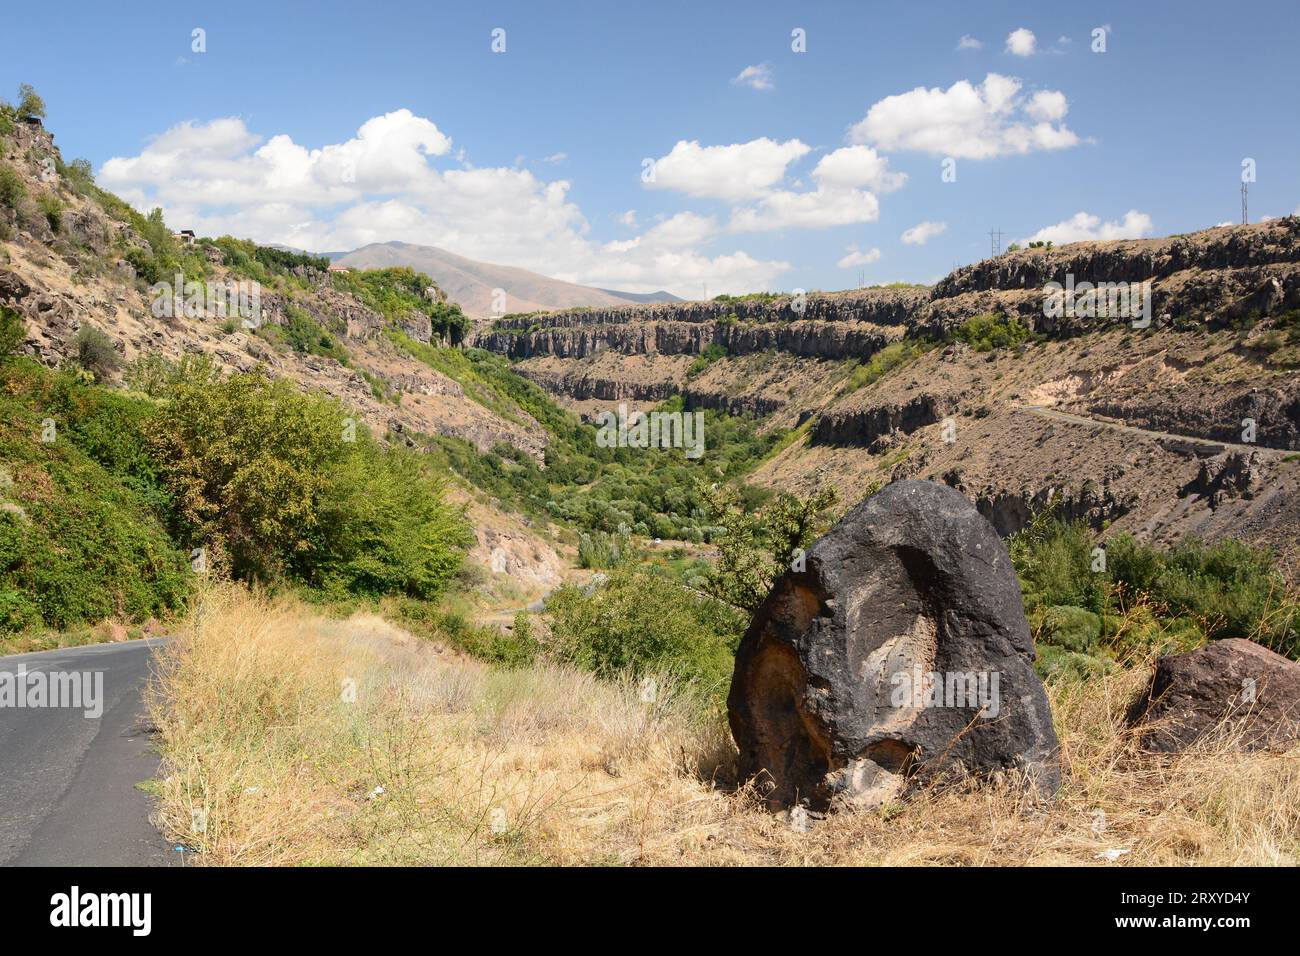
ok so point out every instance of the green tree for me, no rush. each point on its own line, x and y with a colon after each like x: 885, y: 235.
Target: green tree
x: 30, y: 102
x: 280, y: 484
x: 756, y: 546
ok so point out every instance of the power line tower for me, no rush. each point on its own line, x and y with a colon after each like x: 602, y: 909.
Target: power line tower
x: 1244, y: 219
x: 995, y: 237
x: 862, y: 278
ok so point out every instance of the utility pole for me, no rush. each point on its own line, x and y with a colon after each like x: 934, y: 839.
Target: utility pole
x: 862, y: 278
x: 1244, y: 219
x: 995, y: 237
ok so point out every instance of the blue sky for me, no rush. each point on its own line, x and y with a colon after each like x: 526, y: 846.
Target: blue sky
x: 800, y: 177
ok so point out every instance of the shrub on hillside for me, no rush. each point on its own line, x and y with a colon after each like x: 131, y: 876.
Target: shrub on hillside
x: 1145, y: 597
x: 639, y: 622
x: 77, y: 542
x: 12, y: 190
x: 276, y: 483
x: 991, y: 331
x: 13, y: 332
x: 94, y: 351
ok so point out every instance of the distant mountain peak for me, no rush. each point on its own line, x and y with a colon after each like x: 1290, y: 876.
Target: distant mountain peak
x: 472, y: 284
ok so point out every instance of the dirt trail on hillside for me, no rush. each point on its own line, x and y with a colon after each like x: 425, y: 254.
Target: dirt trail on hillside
x: 1209, y: 445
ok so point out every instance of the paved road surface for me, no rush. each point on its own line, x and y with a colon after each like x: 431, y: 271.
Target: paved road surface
x: 68, y: 794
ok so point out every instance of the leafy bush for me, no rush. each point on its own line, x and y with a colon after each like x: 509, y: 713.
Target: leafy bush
x: 1145, y: 597
x: 93, y: 350
x: 12, y: 190
x: 1070, y: 628
x: 639, y: 623
x: 991, y: 331
x: 13, y: 332
x: 52, y: 209
x: 756, y: 547
x: 77, y: 542
x: 713, y: 352
x: 600, y: 550
x: 892, y: 356
x: 277, y: 483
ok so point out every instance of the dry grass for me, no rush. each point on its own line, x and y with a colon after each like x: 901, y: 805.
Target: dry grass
x: 550, y: 765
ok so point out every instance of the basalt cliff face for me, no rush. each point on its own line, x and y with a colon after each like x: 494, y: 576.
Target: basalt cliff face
x: 1166, y: 407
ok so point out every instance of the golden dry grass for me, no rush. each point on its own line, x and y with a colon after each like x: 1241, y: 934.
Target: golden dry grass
x: 442, y: 759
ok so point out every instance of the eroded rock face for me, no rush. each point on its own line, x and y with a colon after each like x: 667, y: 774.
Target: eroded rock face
x: 901, y: 651
x: 1234, y: 690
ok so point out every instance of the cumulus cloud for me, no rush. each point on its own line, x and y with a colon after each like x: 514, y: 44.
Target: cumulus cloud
x: 1021, y: 42
x: 858, y: 257
x: 923, y: 232
x: 753, y: 177
x: 857, y: 166
x: 968, y: 121
x: 758, y: 77
x: 846, y: 182
x: 1084, y: 226
x: 734, y: 173
x: 968, y: 42
x: 385, y: 183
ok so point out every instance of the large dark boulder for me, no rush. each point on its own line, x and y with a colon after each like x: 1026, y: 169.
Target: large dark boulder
x: 833, y: 702
x: 1232, y: 692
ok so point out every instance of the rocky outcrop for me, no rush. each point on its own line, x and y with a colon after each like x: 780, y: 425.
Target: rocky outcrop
x: 1231, y: 693
x: 807, y: 339
x: 1232, y: 474
x: 898, y: 652
x: 861, y: 427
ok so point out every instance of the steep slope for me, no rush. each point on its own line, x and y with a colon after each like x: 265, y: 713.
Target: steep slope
x: 472, y: 284
x: 73, y: 257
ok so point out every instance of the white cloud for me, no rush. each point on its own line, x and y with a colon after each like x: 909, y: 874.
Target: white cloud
x: 556, y: 158
x: 385, y: 183
x: 968, y: 121
x: 628, y: 218
x: 1021, y: 42
x: 858, y: 257
x: 846, y: 183
x: 923, y: 232
x: 1047, y: 106
x: 820, y: 208
x: 968, y: 42
x: 735, y: 173
x: 758, y: 77
x: 1085, y: 226
x: 857, y: 166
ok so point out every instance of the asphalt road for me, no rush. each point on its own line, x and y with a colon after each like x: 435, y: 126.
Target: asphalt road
x: 68, y: 794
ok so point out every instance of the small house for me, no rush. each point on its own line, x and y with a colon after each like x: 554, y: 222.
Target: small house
x: 338, y: 268
x: 186, y: 237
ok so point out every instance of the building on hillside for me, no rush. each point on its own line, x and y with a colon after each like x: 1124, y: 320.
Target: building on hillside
x: 338, y: 268
x: 185, y: 237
